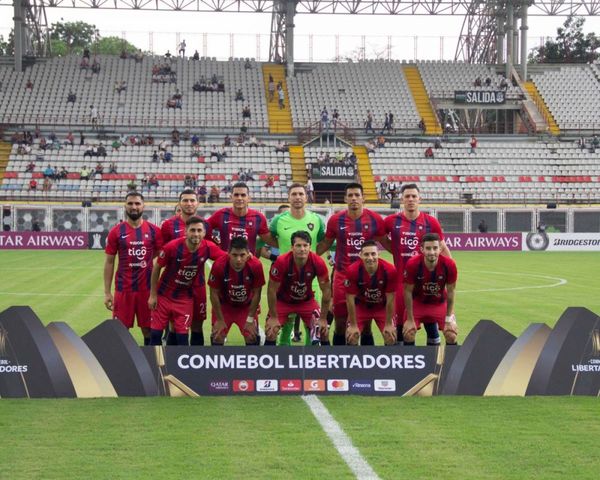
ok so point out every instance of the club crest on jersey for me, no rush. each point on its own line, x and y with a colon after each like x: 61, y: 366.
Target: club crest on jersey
x: 310, y: 226
x: 162, y: 254
x: 308, y: 274
x: 211, y: 278
x: 420, y: 227
x: 274, y: 271
x: 250, y: 224
x: 346, y: 283
x: 366, y: 226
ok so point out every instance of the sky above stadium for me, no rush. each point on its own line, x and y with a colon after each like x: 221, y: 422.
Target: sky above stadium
x: 209, y: 33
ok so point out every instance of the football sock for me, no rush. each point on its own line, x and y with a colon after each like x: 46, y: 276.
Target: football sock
x: 339, y: 339
x: 146, y: 340
x: 182, y: 338
x: 367, y: 339
x: 399, y: 332
x: 172, y: 338
x: 156, y: 337
x: 197, y: 338
x: 270, y: 343
x: 432, y: 342
x: 285, y: 334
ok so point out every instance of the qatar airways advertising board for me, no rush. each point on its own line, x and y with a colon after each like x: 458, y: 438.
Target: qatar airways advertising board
x: 43, y: 240
x: 485, y: 241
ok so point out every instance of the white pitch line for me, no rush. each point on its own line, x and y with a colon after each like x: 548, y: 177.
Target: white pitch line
x: 36, y: 294
x: 558, y: 282
x: 341, y: 441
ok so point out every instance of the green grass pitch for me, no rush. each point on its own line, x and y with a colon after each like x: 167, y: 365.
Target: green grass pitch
x: 256, y: 438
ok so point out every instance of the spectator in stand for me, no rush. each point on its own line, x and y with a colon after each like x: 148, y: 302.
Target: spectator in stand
x: 239, y: 95
x: 89, y: 151
x: 195, y: 140
x: 116, y: 144
x: 270, y: 181
x: 30, y: 167
x: 71, y: 97
x: 182, y: 46
x: 386, y: 124
x: 94, y: 117
x: 84, y: 174
x: 214, y: 194
x: 153, y: 181
x: 310, y: 191
x: 189, y: 181
x: 281, y: 96
x: 226, y: 141
x: 47, y: 185
x: 168, y: 54
x: 120, y: 86
x: 370, y: 146
x: 155, y: 156
x: 503, y: 83
x: 175, y: 136
x: 477, y: 82
x: 202, y: 193
x: 123, y: 55
x: 335, y: 116
x: 324, y: 119
x: 112, y: 168
x: 81, y: 138
x: 43, y: 144
x: 70, y: 140
x: 282, y: 147
x: 473, y: 144
x: 380, y: 141
x: 49, y: 172
x: 246, y: 111
x: 196, y: 56
x: 63, y: 173
x: 369, y: 123
x: 271, y: 88
x: 437, y: 143
x: 482, y: 227
x: 488, y: 82
x: 244, y: 128
x: 168, y: 157
x: 84, y: 64
x: 131, y: 186
x: 99, y: 170
x: 429, y: 152
x: 248, y: 65
x: 86, y: 53
x: 29, y: 85
x: 32, y: 184
x: 391, y: 193
x: 162, y: 146
x: 581, y: 143
x: 383, y: 188
x: 101, y: 151
x: 422, y: 125
x: 95, y: 66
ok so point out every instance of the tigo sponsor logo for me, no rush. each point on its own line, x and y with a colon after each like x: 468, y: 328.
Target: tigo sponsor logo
x: 266, y: 385
x: 243, y: 386
x: 337, y: 385
x: 383, y: 385
x: 290, y: 385
x: 314, y: 385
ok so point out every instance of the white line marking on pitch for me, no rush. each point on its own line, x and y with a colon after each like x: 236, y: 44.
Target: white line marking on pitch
x: 38, y: 294
x: 340, y: 440
x: 558, y: 282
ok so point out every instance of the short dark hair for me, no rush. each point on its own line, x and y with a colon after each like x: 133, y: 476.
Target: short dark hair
x: 368, y: 243
x: 133, y: 193
x: 430, y: 237
x: 353, y: 185
x: 296, y: 185
x: 195, y: 219
x: 188, y: 191
x: 281, y: 207
x: 239, y: 243
x: 409, y: 186
x: 302, y: 235
x: 240, y: 185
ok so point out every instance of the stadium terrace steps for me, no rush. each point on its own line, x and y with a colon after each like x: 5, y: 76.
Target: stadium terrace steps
x: 543, y: 108
x: 280, y: 119
x: 417, y: 88
x: 298, y: 164
x: 366, y: 173
x: 5, y: 149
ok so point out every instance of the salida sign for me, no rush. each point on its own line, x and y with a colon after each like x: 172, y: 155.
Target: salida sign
x: 480, y: 97
x: 334, y: 171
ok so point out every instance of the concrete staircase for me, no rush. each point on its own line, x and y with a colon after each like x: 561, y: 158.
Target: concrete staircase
x: 298, y: 164
x: 5, y: 149
x: 366, y: 173
x: 417, y: 89
x: 535, y: 96
x: 280, y: 119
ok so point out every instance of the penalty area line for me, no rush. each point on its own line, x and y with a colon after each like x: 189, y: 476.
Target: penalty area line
x: 342, y: 443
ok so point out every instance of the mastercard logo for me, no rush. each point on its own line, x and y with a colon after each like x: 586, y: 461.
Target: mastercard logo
x: 337, y: 385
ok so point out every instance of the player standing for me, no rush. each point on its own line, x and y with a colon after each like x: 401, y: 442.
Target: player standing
x: 296, y: 219
x: 239, y: 221
x: 370, y: 288
x: 172, y: 294
x: 429, y: 287
x: 406, y: 229
x: 235, y: 282
x: 349, y: 228
x: 290, y: 290
x: 136, y: 242
x: 171, y: 229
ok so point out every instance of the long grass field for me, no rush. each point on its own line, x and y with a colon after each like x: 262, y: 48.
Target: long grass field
x: 278, y: 437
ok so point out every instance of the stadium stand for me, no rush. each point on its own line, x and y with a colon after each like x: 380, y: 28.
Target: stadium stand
x: 353, y: 89
x: 144, y: 102
x: 572, y: 94
x: 499, y: 172
x: 133, y: 163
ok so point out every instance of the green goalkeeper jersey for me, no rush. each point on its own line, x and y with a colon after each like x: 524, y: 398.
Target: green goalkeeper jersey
x: 284, y: 225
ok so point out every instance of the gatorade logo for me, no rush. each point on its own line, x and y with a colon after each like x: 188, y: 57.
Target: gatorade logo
x: 314, y: 385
